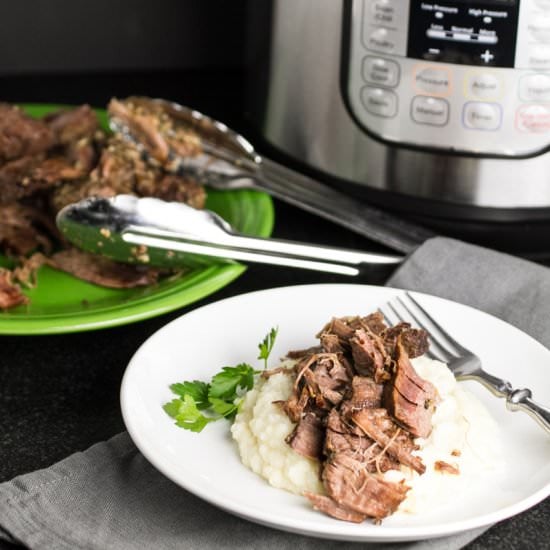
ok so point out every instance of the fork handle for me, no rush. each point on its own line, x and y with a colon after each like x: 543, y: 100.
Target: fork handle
x: 520, y: 400
x: 516, y: 400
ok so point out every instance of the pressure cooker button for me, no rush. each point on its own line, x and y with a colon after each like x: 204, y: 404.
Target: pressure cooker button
x: 482, y: 116
x: 379, y: 102
x: 391, y: 13
x: 534, y: 119
x: 539, y: 57
x: 432, y: 80
x: 430, y: 110
x: 544, y: 4
x: 535, y: 87
x: 539, y: 27
x: 381, y: 40
x: 377, y: 70
x: 484, y: 86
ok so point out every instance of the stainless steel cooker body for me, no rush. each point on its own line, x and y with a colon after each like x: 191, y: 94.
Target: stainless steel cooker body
x: 308, y: 112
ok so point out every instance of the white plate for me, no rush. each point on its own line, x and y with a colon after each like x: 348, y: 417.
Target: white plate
x: 198, y: 344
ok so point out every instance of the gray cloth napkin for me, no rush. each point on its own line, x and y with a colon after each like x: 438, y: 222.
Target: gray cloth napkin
x: 110, y: 497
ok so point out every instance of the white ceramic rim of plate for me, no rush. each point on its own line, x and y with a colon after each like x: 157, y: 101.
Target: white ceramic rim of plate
x: 334, y: 529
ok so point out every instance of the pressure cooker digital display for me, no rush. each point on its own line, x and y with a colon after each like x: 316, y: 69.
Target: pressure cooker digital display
x: 464, y: 32
x: 463, y: 75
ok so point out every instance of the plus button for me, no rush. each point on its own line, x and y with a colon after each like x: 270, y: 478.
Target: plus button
x: 487, y: 56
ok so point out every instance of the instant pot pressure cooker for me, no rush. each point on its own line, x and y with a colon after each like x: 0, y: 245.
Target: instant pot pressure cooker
x: 438, y: 109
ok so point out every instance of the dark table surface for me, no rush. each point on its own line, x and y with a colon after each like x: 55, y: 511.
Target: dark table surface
x: 60, y: 394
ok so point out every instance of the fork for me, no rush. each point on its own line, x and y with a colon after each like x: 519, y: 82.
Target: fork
x: 464, y: 364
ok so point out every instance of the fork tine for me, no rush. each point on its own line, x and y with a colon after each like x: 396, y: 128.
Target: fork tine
x: 395, y: 312
x: 458, y: 347
x: 387, y: 318
x: 437, y: 349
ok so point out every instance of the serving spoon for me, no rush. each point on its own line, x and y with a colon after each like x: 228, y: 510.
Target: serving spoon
x: 228, y: 161
x: 149, y: 231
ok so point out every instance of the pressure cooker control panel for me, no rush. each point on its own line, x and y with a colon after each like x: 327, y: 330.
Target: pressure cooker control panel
x: 465, y: 75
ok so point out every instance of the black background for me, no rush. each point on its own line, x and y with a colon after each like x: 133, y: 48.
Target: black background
x: 64, y: 36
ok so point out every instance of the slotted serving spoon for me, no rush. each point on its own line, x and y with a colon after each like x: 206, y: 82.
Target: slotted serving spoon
x: 153, y: 232
x: 229, y: 161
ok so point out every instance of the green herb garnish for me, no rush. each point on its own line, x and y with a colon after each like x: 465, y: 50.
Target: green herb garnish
x: 226, y: 383
x: 197, y: 390
x: 218, y: 399
x: 266, y: 345
x: 186, y: 414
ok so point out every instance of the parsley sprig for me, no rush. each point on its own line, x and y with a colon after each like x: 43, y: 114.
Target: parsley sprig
x: 266, y: 345
x: 199, y: 403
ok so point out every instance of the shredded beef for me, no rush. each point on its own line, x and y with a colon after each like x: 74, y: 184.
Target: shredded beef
x: 299, y: 353
x: 174, y: 188
x: 352, y: 486
x: 52, y: 171
x: 296, y: 404
x: 101, y: 271
x: 340, y: 327
x: 445, y: 467
x: 332, y: 508
x: 378, y: 425
x: 308, y: 437
x: 72, y: 125
x: 326, y: 379
x: 409, y: 398
x: 22, y: 135
x: 26, y: 272
x: 267, y: 373
x: 358, y: 404
x: 47, y: 163
x: 375, y: 323
x: 415, y: 341
x: 331, y: 343
x: 25, y: 229
x: 76, y: 191
x: 365, y: 393
x: 15, y: 178
x: 343, y: 437
x: 369, y: 356
x: 142, y: 125
x: 157, y: 130
x: 10, y: 292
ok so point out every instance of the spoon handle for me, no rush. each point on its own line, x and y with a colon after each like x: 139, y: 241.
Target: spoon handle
x: 317, y: 198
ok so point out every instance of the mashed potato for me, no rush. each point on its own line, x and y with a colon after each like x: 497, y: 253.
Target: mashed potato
x: 463, y: 435
x: 260, y: 429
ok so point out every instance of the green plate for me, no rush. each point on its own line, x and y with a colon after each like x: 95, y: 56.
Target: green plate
x: 61, y: 303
